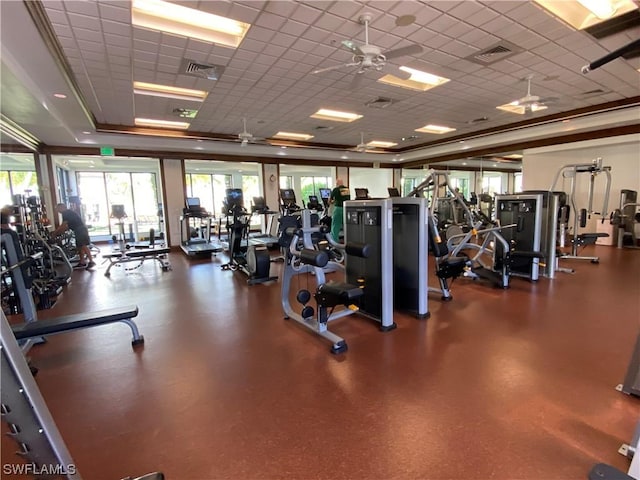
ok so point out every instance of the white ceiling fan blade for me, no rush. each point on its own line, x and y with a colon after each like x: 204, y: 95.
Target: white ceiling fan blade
x: 335, y: 67
x: 402, y: 51
x: 352, y: 47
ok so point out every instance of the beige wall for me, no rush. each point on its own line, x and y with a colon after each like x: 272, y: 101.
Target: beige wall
x: 539, y: 167
x: 175, y: 188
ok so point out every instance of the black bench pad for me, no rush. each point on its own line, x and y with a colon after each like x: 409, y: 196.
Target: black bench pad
x: 602, y: 471
x: 593, y: 235
x: 344, y: 291
x: 149, y: 252
x: 73, y: 322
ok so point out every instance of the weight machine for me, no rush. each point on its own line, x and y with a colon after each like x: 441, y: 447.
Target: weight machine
x: 625, y: 218
x: 580, y: 217
x: 252, y: 260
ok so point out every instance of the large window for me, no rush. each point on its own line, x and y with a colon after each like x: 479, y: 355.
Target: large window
x: 306, y: 180
x: 94, y: 184
x: 17, y: 176
x: 492, y: 183
x: 312, y: 186
x: 517, y: 182
x: 209, y: 188
x: 286, y: 181
x: 136, y: 191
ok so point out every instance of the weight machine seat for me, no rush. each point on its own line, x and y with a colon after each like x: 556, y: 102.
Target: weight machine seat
x: 589, y: 238
x: 138, y: 253
x: 602, y: 471
x: 343, y: 292
x: 451, y: 267
x: 77, y: 321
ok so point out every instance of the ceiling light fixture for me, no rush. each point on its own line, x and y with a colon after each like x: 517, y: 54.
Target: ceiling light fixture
x: 582, y: 14
x: 59, y: 95
x: 293, y: 136
x: 437, y: 129
x: 335, y: 115
x: 167, y: 91
x: 381, y: 144
x: 150, y: 122
x: 418, y: 80
x: 189, y: 22
x: 515, y: 107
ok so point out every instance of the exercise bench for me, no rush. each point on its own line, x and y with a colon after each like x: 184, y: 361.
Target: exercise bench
x: 137, y: 255
x: 68, y: 323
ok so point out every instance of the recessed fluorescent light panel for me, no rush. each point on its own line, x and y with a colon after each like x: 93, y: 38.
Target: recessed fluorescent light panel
x: 437, y: 129
x: 380, y: 144
x: 335, y: 115
x: 418, y: 80
x: 189, y: 22
x: 293, y: 136
x: 582, y: 14
x: 150, y: 122
x: 167, y: 91
x: 515, y: 107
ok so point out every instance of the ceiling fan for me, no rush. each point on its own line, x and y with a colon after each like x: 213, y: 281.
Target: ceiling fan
x: 361, y: 147
x: 369, y: 57
x: 245, y: 137
x: 531, y: 103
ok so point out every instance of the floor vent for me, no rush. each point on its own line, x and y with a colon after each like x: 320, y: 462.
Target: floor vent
x: 495, y: 53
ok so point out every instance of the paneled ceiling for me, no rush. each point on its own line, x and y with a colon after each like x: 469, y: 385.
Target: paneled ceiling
x: 268, y: 79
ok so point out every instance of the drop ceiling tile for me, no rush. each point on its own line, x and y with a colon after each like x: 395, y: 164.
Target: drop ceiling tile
x: 171, y: 51
x: 282, y: 9
x: 294, y: 28
x: 91, y: 35
x: 84, y: 21
x: 245, y: 12
x: 270, y: 21
x: 57, y: 16
x: 91, y: 46
x: 117, y: 40
x: 116, y: 28
x: 283, y: 40
x: 305, y: 14
x: 63, y: 30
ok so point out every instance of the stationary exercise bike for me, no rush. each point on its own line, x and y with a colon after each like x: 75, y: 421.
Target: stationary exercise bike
x: 254, y: 261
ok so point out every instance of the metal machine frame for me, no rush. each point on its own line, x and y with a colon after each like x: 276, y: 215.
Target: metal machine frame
x: 571, y: 171
x: 371, y: 222
x: 411, y: 255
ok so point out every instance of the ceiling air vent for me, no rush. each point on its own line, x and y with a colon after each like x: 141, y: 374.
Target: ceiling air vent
x: 592, y: 93
x: 380, y: 102
x: 478, y: 120
x: 185, y: 112
x: 495, y: 53
x: 200, y: 70
x: 323, y: 128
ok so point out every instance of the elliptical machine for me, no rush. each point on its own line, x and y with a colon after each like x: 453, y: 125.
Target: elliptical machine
x: 252, y: 260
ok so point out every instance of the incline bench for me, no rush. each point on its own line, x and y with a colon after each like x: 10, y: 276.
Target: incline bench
x: 77, y: 321
x: 138, y: 255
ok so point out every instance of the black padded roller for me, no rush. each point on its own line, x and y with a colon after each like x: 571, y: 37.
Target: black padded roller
x: 317, y: 258
x: 358, y: 249
x: 583, y: 217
